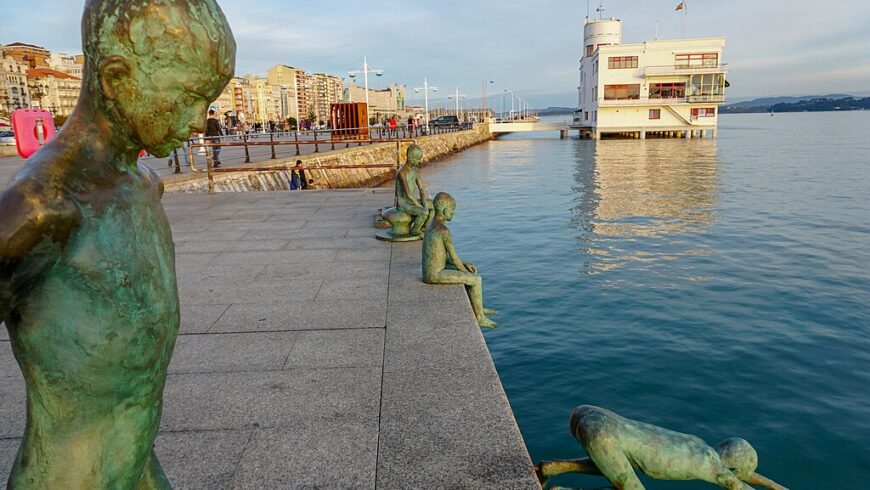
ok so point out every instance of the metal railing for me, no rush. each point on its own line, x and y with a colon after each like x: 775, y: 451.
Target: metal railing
x: 210, y: 170
x: 249, y: 147
x: 685, y: 69
x: 641, y: 101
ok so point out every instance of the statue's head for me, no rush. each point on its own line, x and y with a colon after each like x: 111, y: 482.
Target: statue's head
x: 154, y: 66
x: 415, y: 155
x: 444, y: 205
x: 738, y: 456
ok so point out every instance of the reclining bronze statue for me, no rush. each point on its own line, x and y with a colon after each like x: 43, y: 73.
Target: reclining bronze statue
x: 442, y: 265
x: 87, y: 285
x: 411, y: 216
x: 618, y: 446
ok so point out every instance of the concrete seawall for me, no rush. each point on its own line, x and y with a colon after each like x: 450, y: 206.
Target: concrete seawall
x: 435, y: 147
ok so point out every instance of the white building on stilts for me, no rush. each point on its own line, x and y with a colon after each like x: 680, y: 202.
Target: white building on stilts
x: 661, y: 88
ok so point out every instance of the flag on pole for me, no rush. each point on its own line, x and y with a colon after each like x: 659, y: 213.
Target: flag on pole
x: 681, y: 6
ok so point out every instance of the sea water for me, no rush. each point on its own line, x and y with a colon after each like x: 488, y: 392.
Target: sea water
x: 715, y: 287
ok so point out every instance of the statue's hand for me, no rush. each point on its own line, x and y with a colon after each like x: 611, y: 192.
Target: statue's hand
x: 471, y: 267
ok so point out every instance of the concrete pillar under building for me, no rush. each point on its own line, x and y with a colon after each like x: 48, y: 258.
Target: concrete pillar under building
x: 596, y: 134
x: 563, y: 134
x: 641, y: 134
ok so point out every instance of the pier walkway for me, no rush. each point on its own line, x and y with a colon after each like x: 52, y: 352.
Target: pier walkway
x: 312, y: 356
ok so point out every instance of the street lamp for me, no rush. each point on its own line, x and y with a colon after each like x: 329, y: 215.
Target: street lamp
x: 485, y: 101
x: 512, y: 102
x: 426, y: 88
x: 456, y: 96
x: 366, y: 69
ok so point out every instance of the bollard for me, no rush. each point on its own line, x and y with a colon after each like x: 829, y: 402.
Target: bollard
x: 247, y: 153
x: 272, y: 142
x: 316, y: 145
x: 177, y: 163
x: 296, y: 139
x: 210, y: 176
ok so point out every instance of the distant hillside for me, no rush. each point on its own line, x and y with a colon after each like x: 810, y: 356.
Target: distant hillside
x: 556, y: 111
x: 824, y: 105
x: 764, y: 104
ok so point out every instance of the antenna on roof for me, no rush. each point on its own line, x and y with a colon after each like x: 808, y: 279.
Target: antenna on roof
x: 587, y: 9
x: 600, y: 9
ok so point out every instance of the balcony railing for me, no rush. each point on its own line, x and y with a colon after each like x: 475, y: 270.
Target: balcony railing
x: 692, y: 99
x: 685, y: 69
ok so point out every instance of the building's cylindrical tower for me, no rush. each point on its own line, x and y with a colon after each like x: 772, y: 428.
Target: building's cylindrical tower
x: 601, y: 32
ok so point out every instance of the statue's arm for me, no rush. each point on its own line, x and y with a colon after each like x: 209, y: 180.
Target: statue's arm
x: 452, y: 256
x: 423, y: 195
x: 403, y: 180
x: 26, y: 221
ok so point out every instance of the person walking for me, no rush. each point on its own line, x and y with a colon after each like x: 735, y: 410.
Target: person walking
x: 213, y: 130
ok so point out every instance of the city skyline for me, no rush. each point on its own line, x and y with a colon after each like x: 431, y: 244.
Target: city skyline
x: 773, y: 48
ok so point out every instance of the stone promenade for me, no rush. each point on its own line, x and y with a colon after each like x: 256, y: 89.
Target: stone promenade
x: 312, y: 356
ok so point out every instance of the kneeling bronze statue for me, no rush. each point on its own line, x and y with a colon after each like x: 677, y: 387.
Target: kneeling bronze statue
x: 618, y: 446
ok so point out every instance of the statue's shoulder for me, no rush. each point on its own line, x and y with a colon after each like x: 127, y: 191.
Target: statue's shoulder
x: 155, y: 182
x: 35, y: 206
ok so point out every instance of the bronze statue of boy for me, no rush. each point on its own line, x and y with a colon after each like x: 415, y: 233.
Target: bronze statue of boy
x: 409, y: 185
x: 87, y: 286
x: 442, y: 265
x: 617, y: 446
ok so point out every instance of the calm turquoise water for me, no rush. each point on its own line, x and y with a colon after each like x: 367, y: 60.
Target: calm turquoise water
x: 716, y: 287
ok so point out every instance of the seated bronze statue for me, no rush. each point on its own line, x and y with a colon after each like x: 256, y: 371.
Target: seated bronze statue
x: 412, y: 214
x: 442, y: 265
x: 618, y: 446
x: 87, y: 284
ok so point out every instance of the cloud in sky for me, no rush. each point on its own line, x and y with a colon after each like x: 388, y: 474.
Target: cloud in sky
x: 775, y: 47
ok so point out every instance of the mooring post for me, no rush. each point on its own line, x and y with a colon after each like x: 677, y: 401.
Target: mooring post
x: 247, y: 153
x: 296, y: 139
x: 272, y: 144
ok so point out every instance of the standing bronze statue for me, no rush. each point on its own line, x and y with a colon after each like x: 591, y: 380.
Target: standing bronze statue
x: 618, y: 446
x: 87, y: 286
x: 414, y: 210
x: 442, y: 265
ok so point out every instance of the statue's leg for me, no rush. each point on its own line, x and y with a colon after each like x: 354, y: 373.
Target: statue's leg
x: 431, y: 216
x: 614, y: 465
x: 153, y: 477
x: 473, y: 287
x: 420, y: 214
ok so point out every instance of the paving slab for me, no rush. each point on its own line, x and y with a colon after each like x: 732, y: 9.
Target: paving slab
x: 305, y: 457
x: 202, y: 460
x: 312, y: 356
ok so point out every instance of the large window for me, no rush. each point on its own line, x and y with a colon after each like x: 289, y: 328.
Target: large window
x: 667, y: 90
x: 622, y: 92
x: 704, y: 112
x: 590, y: 49
x: 709, y: 84
x: 621, y: 62
x: 697, y: 60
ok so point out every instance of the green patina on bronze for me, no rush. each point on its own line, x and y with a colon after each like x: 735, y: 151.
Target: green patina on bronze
x: 618, y: 446
x: 442, y: 265
x: 87, y: 287
x: 412, y: 214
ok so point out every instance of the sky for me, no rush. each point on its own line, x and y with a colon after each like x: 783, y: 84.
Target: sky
x: 532, y: 47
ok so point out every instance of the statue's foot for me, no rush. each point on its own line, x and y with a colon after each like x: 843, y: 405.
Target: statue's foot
x: 485, y: 322
x: 487, y: 311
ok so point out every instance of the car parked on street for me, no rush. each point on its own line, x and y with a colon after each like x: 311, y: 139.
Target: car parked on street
x: 7, y: 138
x: 445, y: 121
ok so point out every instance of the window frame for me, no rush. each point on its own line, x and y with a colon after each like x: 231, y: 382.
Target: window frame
x: 631, y: 91
x: 621, y: 62
x: 655, y: 114
x: 676, y: 90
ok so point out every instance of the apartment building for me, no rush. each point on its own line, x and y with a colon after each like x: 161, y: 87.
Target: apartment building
x: 325, y: 90
x: 14, y: 92
x: 53, y: 90
x: 382, y: 102
x: 660, y: 88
